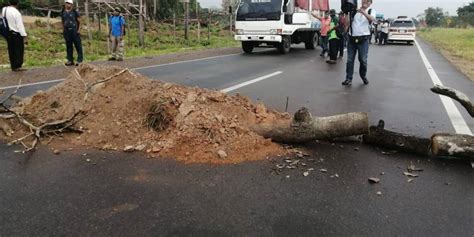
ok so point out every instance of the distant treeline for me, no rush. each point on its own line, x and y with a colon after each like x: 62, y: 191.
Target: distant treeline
x: 435, y: 17
x: 164, y: 8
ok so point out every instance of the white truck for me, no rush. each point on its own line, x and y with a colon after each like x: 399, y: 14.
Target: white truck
x: 276, y: 23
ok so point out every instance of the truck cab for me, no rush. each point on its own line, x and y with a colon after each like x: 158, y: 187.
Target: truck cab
x: 276, y: 23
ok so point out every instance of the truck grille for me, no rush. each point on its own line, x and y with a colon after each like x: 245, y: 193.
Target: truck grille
x: 257, y: 32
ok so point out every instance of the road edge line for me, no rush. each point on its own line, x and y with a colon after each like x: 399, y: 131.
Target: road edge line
x: 457, y: 120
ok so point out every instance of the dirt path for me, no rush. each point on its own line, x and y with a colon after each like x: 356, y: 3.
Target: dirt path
x: 59, y: 72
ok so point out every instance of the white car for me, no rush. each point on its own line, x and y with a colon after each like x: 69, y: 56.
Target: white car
x: 402, y: 30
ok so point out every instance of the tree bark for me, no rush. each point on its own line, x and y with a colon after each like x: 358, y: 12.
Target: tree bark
x: 455, y: 95
x: 305, y: 128
x: 378, y: 136
x: 458, y: 145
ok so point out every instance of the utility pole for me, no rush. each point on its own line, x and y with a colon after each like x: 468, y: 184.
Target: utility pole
x: 100, y: 15
x: 174, y: 25
x: 141, y: 26
x: 230, y: 20
x: 155, y: 11
x: 108, y: 30
x: 86, y: 6
x: 49, y: 20
x: 186, y: 18
x: 198, y: 22
x: 209, y: 27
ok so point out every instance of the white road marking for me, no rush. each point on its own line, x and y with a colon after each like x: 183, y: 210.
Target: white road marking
x: 232, y: 88
x: 187, y: 61
x: 137, y: 68
x: 459, y: 124
x: 32, y: 84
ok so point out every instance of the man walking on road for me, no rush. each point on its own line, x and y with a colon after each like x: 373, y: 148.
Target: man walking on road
x: 16, y: 38
x: 71, y: 30
x: 117, y: 31
x: 359, y: 33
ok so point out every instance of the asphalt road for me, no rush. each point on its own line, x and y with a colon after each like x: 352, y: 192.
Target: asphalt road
x: 127, y: 194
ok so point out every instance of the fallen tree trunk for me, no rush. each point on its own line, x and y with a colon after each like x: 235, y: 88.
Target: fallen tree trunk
x: 305, y: 128
x: 441, y: 144
x: 455, y: 95
x: 444, y: 144
x: 378, y: 136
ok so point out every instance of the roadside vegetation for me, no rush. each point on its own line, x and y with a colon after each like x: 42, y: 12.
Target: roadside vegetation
x: 452, y: 35
x: 454, y: 43
x: 47, y: 47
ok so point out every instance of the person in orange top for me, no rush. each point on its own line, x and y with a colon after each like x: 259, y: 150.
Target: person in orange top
x: 325, y: 25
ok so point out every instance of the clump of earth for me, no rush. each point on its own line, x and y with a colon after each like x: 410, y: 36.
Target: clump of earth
x: 130, y: 112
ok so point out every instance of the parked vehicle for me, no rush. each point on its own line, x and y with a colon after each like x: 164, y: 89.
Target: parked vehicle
x: 276, y: 23
x: 402, y: 29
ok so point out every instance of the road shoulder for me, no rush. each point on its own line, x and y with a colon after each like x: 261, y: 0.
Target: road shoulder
x: 59, y: 72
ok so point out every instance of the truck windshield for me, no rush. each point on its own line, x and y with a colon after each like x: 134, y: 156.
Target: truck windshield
x: 259, y: 10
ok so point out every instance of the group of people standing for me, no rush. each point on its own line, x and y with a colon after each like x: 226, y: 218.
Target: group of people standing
x: 333, y: 37
x: 352, y: 30
x: 17, y: 37
x: 380, y: 32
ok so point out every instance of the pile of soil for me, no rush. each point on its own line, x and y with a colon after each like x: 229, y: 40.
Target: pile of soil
x: 133, y: 113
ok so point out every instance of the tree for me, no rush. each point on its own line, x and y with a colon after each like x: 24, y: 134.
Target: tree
x: 226, y: 3
x: 466, y: 14
x: 434, y: 16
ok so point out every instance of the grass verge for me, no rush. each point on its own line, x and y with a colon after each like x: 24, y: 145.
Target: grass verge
x: 47, y: 47
x: 455, y: 44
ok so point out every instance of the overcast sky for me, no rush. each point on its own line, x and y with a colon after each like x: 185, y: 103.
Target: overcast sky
x: 390, y: 8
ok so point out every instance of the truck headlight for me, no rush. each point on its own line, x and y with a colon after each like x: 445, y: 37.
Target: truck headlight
x: 240, y: 31
x: 275, y: 31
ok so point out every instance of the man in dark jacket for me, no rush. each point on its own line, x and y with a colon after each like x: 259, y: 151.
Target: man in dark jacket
x: 71, y: 31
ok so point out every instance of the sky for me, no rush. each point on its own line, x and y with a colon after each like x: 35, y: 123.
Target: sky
x: 390, y: 8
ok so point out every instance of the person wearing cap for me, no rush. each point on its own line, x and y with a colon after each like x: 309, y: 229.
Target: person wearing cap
x: 17, y: 37
x: 71, y: 31
x: 117, y: 31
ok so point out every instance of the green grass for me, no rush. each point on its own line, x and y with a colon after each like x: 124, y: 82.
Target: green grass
x: 457, y: 45
x: 458, y: 42
x: 48, y: 48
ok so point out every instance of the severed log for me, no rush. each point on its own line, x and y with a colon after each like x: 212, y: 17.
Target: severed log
x: 378, y: 136
x: 305, y: 128
x: 457, y: 145
x: 455, y: 95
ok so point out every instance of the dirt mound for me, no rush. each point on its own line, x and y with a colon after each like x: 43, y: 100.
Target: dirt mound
x: 130, y: 112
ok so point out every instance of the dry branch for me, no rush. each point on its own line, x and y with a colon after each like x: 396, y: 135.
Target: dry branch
x: 455, y: 95
x: 305, y: 128
x: 55, y: 127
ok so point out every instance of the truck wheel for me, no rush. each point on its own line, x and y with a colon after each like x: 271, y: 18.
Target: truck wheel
x: 312, y: 41
x: 285, y: 45
x: 247, y: 46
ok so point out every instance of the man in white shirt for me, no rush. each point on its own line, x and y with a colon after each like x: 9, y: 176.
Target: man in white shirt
x: 17, y: 37
x: 384, y: 33
x: 359, y: 33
